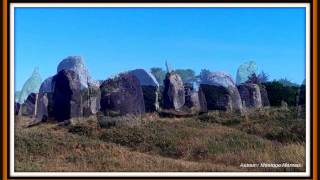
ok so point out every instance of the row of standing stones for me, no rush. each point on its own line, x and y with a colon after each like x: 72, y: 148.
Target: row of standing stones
x: 73, y: 93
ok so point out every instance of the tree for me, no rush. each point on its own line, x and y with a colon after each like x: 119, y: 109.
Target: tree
x: 204, y: 75
x: 286, y: 82
x: 253, y: 78
x: 187, y: 75
x: 277, y: 92
x: 159, y: 74
x: 263, y: 77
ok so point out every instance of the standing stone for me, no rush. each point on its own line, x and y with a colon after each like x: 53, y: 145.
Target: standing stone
x: 67, y: 95
x: 264, y: 96
x: 188, y: 92
x: 76, y: 64
x: 46, y: 86
x: 42, y: 107
x: 221, y: 93
x: 250, y: 94
x: 91, y: 100
x: 28, y: 108
x: 245, y: 70
x: 16, y: 108
x: 194, y: 100
x: 202, y: 101
x: 150, y: 89
x: 122, y: 95
x: 32, y: 85
x: 173, y: 94
x: 284, y: 105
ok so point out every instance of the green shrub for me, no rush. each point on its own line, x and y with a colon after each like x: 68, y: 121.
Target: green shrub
x: 277, y: 92
x: 231, y: 122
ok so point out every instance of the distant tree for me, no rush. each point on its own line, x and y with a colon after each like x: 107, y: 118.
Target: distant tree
x: 187, y: 75
x: 159, y: 74
x: 204, y: 75
x: 286, y: 82
x: 263, y: 77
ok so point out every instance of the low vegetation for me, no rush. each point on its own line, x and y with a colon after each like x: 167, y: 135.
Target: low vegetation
x: 215, y: 141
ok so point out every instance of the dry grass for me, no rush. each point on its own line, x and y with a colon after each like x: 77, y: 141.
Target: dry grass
x: 214, y: 142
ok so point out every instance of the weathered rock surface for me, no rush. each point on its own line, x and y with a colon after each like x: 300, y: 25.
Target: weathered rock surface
x: 173, y: 94
x: 42, y: 107
x: 195, y: 100
x: 284, y: 105
x: 150, y: 89
x: 46, y: 86
x: 32, y: 85
x: 90, y: 100
x: 250, y: 95
x: 122, y: 95
x: 221, y: 93
x: 66, y: 95
x: 202, y: 101
x: 264, y: 96
x: 76, y: 64
x: 16, y: 108
x: 245, y: 70
x: 28, y: 107
x: 145, y: 78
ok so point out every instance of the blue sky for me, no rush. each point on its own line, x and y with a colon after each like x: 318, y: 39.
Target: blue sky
x: 113, y: 40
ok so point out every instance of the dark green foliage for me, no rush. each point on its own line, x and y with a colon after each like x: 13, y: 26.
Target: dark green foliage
x: 302, y: 95
x: 231, y: 122
x: 277, y: 92
x: 253, y: 78
x: 286, y: 82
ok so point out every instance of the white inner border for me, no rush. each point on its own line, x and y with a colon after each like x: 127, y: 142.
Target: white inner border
x: 160, y: 174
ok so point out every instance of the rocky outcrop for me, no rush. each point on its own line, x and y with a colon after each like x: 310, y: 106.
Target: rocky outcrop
x: 122, y: 95
x: 173, y: 94
x: 32, y: 85
x: 221, y: 93
x: 66, y: 95
x: 250, y: 95
x: 76, y: 64
x: 245, y: 70
x: 46, y: 86
x: 150, y: 89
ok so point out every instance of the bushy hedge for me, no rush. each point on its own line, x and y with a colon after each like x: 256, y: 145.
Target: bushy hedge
x: 277, y: 92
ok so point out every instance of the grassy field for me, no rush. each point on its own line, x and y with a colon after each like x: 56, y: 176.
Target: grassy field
x: 215, y: 141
